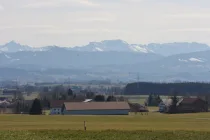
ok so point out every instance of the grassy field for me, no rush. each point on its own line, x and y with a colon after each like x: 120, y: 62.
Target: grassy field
x: 104, y: 135
x: 154, y: 126
x: 139, y: 98
x: 153, y: 121
x: 142, y: 98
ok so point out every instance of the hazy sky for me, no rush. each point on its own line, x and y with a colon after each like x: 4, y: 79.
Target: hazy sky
x: 77, y: 22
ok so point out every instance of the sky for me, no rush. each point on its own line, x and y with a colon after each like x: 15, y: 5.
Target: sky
x: 77, y: 22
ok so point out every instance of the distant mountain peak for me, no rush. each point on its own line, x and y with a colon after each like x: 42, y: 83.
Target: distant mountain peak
x: 112, y: 45
x: 12, y: 43
x: 13, y: 46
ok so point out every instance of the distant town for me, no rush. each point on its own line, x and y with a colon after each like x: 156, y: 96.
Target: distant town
x: 102, y: 98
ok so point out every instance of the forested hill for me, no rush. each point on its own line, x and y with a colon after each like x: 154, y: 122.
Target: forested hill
x: 188, y: 88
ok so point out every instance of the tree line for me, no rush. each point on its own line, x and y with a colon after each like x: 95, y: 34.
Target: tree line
x: 59, y: 92
x: 182, y: 89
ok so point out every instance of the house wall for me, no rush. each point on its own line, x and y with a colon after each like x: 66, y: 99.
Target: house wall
x: 96, y: 112
x: 162, y: 107
x: 6, y: 111
x: 55, y: 111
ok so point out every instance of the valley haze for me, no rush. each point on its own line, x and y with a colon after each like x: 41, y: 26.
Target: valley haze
x: 114, y: 60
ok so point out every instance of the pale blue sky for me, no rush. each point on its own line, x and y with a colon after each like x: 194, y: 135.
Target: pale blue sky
x: 77, y: 22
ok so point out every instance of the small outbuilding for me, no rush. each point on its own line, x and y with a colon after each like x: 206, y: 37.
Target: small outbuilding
x: 95, y: 108
x: 135, y: 107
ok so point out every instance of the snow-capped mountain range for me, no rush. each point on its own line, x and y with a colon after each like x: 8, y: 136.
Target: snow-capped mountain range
x: 166, y: 49
x: 110, y: 58
x: 107, y: 45
x: 113, y: 45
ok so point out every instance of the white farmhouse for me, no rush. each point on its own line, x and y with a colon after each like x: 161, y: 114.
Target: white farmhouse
x: 55, y: 107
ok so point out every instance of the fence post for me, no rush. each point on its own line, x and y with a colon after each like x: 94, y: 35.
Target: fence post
x: 85, y: 126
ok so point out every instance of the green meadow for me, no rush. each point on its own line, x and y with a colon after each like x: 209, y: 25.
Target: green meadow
x: 153, y: 126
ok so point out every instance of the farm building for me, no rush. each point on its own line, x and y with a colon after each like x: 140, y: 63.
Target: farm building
x: 6, y: 107
x: 56, y: 105
x: 189, y: 105
x: 135, y: 107
x: 95, y: 108
x: 163, y: 106
x: 6, y: 111
x: 184, y: 105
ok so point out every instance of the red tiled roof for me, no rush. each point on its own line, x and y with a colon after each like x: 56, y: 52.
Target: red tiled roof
x: 96, y: 106
x: 57, y: 103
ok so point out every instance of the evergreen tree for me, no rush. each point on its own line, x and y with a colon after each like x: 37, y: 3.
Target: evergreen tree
x: 158, y: 99
x: 173, y: 107
x: 70, y: 92
x: 45, y: 102
x: 149, y: 100
x: 153, y: 100
x: 63, y: 97
x: 111, y: 98
x: 17, y: 110
x: 90, y: 95
x: 174, y: 100
x: 36, y: 108
x: 74, y: 96
x: 99, y: 98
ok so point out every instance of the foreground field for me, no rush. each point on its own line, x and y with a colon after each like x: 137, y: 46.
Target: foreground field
x: 153, y: 121
x: 154, y: 126
x: 104, y: 135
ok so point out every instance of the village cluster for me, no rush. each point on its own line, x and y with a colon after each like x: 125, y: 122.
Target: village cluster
x: 112, y: 105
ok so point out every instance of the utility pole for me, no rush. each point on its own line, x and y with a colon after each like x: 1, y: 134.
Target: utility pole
x: 138, y: 80
x: 69, y: 82
x: 16, y: 84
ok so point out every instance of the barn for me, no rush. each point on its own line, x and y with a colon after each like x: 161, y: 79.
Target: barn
x: 95, y: 108
x: 190, y: 105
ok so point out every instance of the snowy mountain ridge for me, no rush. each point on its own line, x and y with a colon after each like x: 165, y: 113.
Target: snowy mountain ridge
x: 165, y: 49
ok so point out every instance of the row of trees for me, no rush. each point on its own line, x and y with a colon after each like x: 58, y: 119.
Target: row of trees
x: 37, y: 106
x: 153, y: 100
x: 111, y: 98
x: 60, y: 88
x: 187, y: 88
x: 56, y: 93
x: 34, y: 109
x: 61, y: 93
